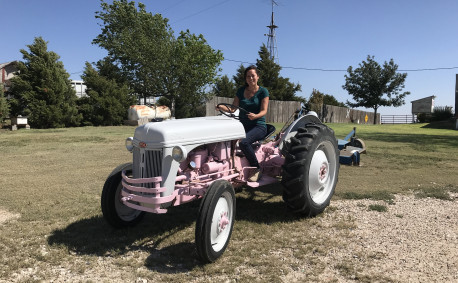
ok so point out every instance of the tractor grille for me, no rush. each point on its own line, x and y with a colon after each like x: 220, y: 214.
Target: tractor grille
x: 147, y: 163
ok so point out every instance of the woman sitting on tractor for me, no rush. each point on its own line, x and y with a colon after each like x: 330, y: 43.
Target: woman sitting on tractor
x: 254, y: 99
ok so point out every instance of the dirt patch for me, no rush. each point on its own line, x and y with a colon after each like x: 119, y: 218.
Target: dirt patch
x: 415, y: 240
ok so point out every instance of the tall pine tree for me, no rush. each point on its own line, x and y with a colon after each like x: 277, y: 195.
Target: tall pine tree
x: 107, y: 100
x: 42, y: 90
x: 280, y: 88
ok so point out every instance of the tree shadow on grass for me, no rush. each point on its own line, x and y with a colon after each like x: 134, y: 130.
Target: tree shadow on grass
x: 443, y: 125
x: 416, y: 139
x: 93, y: 236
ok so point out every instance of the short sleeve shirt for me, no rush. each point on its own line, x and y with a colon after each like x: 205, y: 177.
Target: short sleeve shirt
x: 252, y: 105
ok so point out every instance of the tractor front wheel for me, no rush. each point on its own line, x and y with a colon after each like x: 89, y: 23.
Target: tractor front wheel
x: 114, y: 211
x: 311, y: 169
x: 215, y: 221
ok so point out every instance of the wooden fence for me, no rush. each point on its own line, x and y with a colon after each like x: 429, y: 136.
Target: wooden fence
x: 398, y: 119
x: 336, y: 114
x: 278, y: 111
x: 281, y: 111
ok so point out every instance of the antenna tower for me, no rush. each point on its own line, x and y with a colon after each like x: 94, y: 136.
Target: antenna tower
x: 271, y: 39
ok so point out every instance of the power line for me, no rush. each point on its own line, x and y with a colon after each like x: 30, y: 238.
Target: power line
x: 172, y: 6
x: 329, y: 70
x: 429, y: 69
x: 342, y: 70
x: 201, y: 11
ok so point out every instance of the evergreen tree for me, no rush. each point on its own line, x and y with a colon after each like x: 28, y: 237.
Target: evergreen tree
x: 279, y: 88
x: 316, y: 100
x: 4, y: 106
x: 42, y: 90
x: 239, y: 77
x: 224, y: 87
x: 107, y: 101
x: 331, y: 100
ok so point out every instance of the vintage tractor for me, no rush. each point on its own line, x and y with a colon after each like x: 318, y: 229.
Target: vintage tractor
x: 179, y: 161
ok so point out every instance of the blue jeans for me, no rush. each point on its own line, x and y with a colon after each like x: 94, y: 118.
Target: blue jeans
x: 252, y: 135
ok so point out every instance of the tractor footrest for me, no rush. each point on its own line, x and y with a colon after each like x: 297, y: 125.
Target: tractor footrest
x: 265, y: 180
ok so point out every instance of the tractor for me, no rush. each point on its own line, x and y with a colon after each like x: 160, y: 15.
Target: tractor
x: 183, y: 160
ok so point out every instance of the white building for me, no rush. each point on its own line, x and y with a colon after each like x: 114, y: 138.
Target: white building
x: 7, y: 71
x: 80, y: 88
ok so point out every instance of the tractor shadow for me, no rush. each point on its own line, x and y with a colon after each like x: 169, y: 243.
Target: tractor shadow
x: 93, y: 236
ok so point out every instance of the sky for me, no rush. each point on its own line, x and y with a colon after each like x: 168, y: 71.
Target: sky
x: 316, y: 40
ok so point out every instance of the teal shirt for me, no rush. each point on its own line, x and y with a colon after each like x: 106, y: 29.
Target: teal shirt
x: 252, y: 105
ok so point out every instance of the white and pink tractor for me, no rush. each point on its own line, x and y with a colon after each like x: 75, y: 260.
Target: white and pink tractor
x: 183, y: 160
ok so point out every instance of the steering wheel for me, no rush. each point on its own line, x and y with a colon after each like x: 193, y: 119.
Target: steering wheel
x: 232, y: 109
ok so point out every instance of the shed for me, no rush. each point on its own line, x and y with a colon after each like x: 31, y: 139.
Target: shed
x: 423, y: 105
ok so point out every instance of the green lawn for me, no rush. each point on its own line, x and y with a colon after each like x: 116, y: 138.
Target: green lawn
x: 51, y: 182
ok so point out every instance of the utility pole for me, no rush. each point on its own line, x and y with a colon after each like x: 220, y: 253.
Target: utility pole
x: 271, y: 40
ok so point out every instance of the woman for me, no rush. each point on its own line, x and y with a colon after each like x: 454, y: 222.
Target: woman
x: 254, y: 99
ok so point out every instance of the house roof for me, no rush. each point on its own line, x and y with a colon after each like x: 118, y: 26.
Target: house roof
x: 2, y: 65
x: 423, y: 99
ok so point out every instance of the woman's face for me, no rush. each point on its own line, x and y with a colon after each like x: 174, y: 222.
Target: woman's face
x: 252, y: 77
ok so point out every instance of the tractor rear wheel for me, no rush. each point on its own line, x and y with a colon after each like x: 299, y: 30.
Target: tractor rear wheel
x: 215, y: 221
x: 311, y: 169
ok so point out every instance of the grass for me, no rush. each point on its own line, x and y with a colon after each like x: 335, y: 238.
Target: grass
x: 53, y: 180
x: 378, y: 207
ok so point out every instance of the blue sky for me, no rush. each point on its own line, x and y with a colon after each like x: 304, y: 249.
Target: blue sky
x: 325, y: 34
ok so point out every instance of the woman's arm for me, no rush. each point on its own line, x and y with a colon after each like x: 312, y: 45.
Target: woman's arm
x: 228, y: 109
x: 264, y: 106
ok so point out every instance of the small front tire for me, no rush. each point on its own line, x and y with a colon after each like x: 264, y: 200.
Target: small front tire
x: 215, y: 221
x: 114, y: 211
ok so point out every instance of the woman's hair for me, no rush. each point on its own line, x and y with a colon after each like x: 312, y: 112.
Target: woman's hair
x: 252, y: 67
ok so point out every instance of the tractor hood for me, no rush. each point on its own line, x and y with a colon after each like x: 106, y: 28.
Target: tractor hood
x: 201, y: 130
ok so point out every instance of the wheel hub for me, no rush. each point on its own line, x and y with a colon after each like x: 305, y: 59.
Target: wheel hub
x: 222, y: 222
x: 323, y: 172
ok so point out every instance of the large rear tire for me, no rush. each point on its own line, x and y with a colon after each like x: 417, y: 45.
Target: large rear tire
x: 215, y: 221
x: 311, y: 169
x: 114, y: 211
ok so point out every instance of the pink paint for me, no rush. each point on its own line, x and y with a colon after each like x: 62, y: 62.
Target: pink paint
x: 223, y: 222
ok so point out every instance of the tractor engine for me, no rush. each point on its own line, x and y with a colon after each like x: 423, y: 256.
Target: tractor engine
x: 206, y: 160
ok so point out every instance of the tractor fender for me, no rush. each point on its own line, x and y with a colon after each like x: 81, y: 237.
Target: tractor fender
x: 310, y: 117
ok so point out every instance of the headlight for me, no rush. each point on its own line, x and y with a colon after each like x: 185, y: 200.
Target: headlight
x: 179, y: 153
x: 130, y: 144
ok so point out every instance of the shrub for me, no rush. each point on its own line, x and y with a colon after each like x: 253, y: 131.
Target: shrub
x: 441, y: 113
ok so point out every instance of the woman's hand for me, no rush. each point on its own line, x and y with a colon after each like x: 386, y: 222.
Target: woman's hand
x: 251, y: 116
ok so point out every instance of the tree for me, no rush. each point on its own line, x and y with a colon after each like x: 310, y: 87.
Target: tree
x: 152, y: 60
x: 315, y: 102
x: 369, y: 83
x: 107, y: 101
x: 279, y: 88
x: 4, y: 106
x: 194, y: 68
x: 224, y: 87
x: 42, y: 91
x: 331, y: 100
x: 239, y: 77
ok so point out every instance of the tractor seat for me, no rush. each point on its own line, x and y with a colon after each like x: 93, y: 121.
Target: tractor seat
x: 270, y: 131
